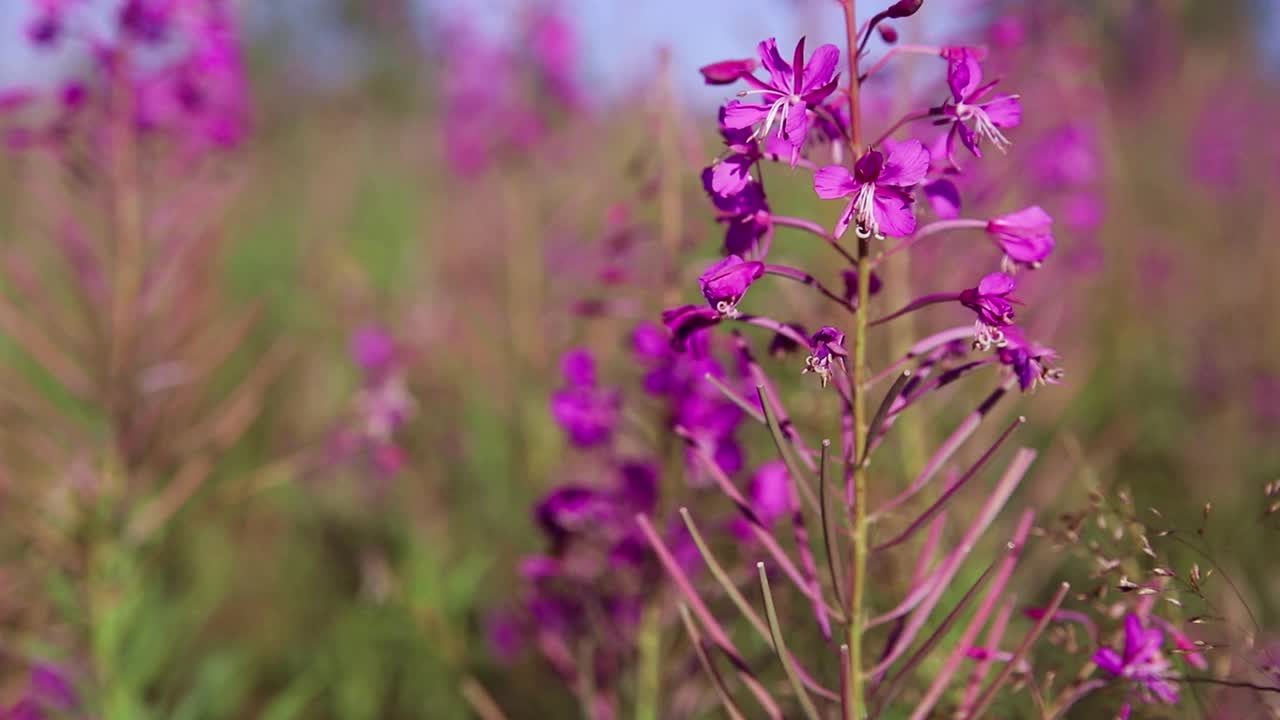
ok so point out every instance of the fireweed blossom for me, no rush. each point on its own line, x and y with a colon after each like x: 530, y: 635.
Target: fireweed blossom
x: 724, y: 283
x: 586, y: 412
x: 974, y: 116
x: 703, y: 403
x: 1031, y: 363
x: 745, y: 215
x: 1025, y: 237
x: 789, y: 94
x: 993, y: 302
x: 382, y: 407
x: 180, y: 58
x: 879, y: 190
x: 1140, y: 662
x: 826, y: 348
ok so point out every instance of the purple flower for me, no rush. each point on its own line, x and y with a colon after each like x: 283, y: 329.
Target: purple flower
x: 724, y: 283
x: 373, y: 349
x: 566, y: 511
x: 727, y: 72
x: 1031, y: 363
x: 943, y: 197
x: 687, y: 321
x: 146, y: 21
x: 974, y: 115
x: 730, y: 175
x: 578, y: 367
x: 879, y: 189
x: 1025, y: 236
x: 748, y: 223
x: 45, y: 28
x: 851, y: 285
x: 769, y: 492
x: 1141, y: 662
x: 586, y: 412
x: 992, y: 302
x: 788, y: 94
x: 826, y: 346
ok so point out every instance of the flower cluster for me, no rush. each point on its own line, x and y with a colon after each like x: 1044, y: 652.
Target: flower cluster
x: 174, y: 67
x: 382, y: 406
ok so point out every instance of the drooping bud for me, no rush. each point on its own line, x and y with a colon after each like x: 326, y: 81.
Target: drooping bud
x: 727, y: 72
x: 903, y: 8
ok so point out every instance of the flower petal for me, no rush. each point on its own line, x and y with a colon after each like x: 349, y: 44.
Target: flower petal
x: 1005, y: 111
x: 821, y: 68
x: 906, y: 164
x: 779, y: 70
x: 834, y: 181
x: 893, y: 212
x: 739, y: 115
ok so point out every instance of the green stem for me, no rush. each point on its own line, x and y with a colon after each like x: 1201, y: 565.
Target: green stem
x: 856, y: 708
x: 648, y: 678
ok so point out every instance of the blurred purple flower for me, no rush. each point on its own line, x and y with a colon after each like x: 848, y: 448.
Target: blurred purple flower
x: 1141, y: 662
x: 976, y: 117
x: 879, y: 189
x: 686, y: 321
x: 850, y: 278
x: 1025, y: 236
x: 373, y: 349
x: 1031, y: 363
x: 769, y: 492
x: 587, y: 413
x: 146, y: 21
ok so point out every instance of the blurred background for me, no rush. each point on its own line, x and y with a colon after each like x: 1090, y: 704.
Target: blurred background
x: 297, y: 480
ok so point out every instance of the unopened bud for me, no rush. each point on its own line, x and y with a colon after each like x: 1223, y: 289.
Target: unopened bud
x: 727, y: 72
x: 887, y: 33
x: 903, y: 8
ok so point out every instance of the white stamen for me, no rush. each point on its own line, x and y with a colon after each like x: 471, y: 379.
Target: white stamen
x: 864, y: 211
x: 982, y: 125
x: 728, y: 309
x: 986, y: 337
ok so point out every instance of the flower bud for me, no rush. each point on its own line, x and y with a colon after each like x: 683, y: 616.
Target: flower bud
x: 903, y: 8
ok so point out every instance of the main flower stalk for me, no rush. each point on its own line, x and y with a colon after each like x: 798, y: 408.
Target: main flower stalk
x: 857, y: 615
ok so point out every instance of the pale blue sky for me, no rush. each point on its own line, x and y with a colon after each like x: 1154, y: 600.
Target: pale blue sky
x: 620, y: 37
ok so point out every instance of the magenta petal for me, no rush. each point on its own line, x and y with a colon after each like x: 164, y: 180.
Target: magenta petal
x: 739, y: 115
x: 846, y: 218
x: 906, y: 165
x: 893, y: 212
x: 944, y: 198
x: 969, y: 138
x: 821, y: 67
x: 731, y: 175
x: 996, y: 284
x: 834, y: 181
x: 1108, y: 660
x: 779, y: 70
x: 1005, y: 111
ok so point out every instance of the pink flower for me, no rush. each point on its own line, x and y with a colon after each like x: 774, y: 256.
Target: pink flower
x: 1025, y: 236
x: 975, y: 116
x: 789, y: 93
x: 879, y: 189
x: 724, y: 283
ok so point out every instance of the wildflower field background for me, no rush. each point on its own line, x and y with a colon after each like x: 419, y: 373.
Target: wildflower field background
x: 335, y: 372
